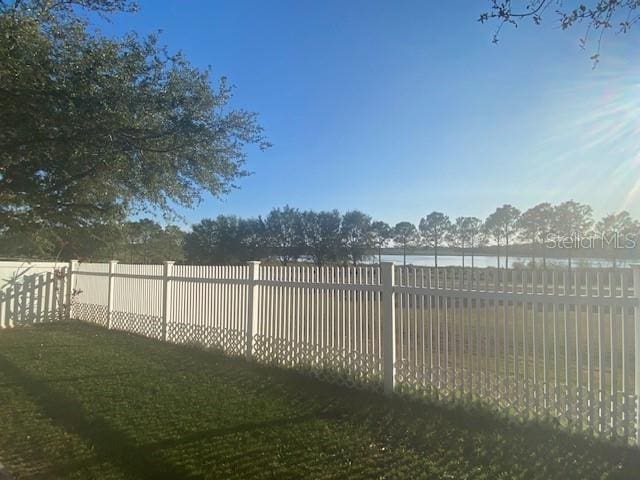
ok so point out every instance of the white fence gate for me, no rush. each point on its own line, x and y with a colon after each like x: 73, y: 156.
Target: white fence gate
x: 532, y: 344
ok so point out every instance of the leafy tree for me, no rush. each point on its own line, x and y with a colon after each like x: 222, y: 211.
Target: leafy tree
x: 20, y: 243
x: 96, y: 241
x: 535, y: 225
x: 598, y: 16
x: 528, y: 224
x: 381, y: 233
x: 225, y: 240
x: 171, y: 246
x: 405, y: 234
x: 503, y: 224
x: 475, y: 237
x: 571, y: 221
x: 434, y: 228
x: 285, y: 234
x: 492, y: 230
x: 253, y: 240
x: 323, y: 236
x: 139, y: 235
x: 613, y: 230
x: 146, y: 241
x: 141, y: 241
x: 356, y: 235
x: 93, y: 128
x: 456, y: 236
x: 463, y: 233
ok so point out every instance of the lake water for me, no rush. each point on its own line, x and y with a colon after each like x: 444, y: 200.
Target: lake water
x: 492, y: 261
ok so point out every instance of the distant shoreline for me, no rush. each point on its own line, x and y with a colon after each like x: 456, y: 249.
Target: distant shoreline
x: 515, y: 251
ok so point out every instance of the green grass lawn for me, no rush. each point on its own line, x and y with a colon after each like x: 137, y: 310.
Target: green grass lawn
x: 81, y: 402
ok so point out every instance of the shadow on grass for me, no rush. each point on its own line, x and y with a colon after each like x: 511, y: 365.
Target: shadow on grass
x: 469, y: 434
x: 112, y: 446
x: 202, y: 412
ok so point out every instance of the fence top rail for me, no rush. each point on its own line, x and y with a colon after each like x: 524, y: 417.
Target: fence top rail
x: 372, y: 284
x: 580, y: 270
x: 522, y: 297
x: 539, y: 268
x: 308, y: 283
x: 21, y: 264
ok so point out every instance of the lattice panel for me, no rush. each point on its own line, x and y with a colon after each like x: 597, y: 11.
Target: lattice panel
x: 232, y: 342
x: 89, y: 312
x: 146, y: 325
x: 573, y: 408
x: 351, y: 369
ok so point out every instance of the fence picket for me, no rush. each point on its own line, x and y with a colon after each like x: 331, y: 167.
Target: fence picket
x: 537, y: 342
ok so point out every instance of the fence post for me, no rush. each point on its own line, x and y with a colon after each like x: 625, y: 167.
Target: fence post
x: 166, y: 298
x: 252, y: 307
x: 73, y: 266
x: 112, y: 271
x: 636, y: 351
x: 388, y: 327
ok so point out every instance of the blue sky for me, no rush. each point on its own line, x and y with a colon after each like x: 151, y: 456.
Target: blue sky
x: 401, y: 108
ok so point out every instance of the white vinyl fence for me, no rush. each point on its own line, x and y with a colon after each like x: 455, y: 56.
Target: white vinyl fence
x: 32, y: 292
x: 533, y: 344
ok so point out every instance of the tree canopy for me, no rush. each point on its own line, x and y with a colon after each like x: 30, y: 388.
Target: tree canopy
x: 434, y: 229
x: 93, y: 128
x: 356, y: 234
x: 406, y: 235
x: 504, y: 224
x: 285, y: 234
x: 322, y: 233
x: 225, y: 240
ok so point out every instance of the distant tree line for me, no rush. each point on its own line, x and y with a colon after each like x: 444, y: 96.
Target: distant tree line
x: 140, y: 241
x: 288, y: 235
x: 325, y: 237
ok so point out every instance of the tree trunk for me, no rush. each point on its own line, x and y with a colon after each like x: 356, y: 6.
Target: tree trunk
x: 379, y: 254
x: 506, y: 252
x: 533, y: 253
x: 472, y: 269
x: 404, y: 251
x: 473, y: 258
x: 463, y: 264
x: 435, y: 253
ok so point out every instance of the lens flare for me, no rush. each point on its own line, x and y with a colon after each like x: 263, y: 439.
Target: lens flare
x: 592, y: 142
